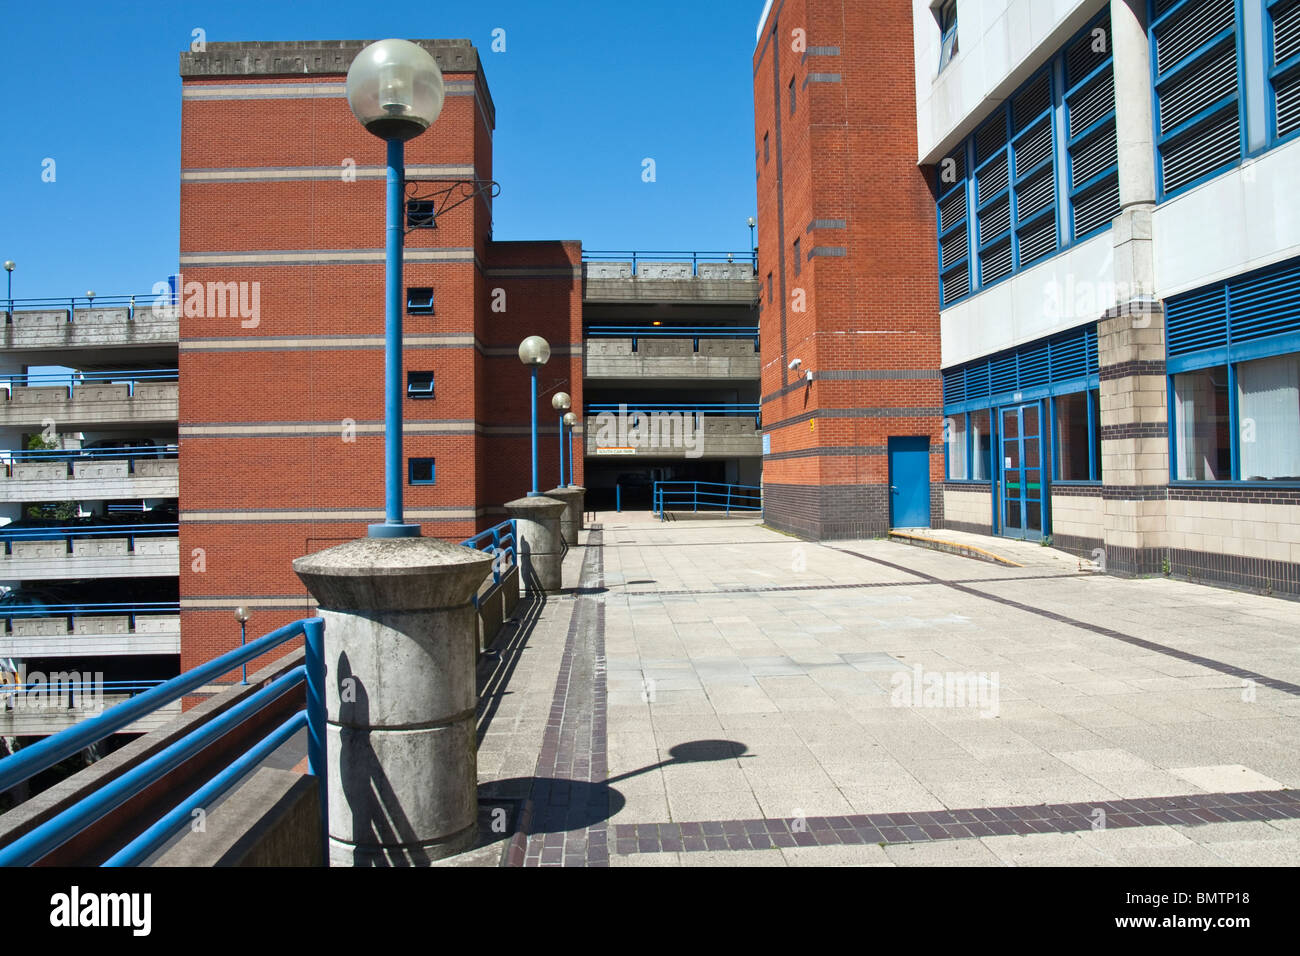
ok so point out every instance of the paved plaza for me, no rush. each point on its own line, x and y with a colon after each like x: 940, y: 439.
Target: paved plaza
x: 711, y: 692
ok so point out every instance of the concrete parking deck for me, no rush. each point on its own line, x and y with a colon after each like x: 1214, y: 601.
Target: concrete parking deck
x: 716, y: 693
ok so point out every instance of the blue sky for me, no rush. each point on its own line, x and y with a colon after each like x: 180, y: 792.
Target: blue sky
x: 584, y: 92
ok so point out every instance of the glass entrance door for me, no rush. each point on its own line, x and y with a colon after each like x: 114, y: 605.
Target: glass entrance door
x: 1022, y: 472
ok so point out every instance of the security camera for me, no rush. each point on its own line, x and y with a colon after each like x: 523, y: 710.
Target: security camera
x: 809, y: 375
x: 795, y: 364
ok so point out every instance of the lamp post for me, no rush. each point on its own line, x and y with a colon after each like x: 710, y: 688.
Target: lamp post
x: 395, y: 90
x: 90, y: 297
x: 242, y: 616
x: 561, y: 403
x: 534, y: 352
x: 571, y: 419
x: 752, y: 244
x: 10, y: 265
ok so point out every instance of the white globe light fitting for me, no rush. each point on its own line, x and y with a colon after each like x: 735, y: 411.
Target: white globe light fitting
x: 395, y: 89
x: 561, y: 401
x: 534, y: 350
x: 570, y: 419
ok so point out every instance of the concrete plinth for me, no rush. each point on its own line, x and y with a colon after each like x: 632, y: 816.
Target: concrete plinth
x: 400, y: 650
x: 582, y: 505
x: 540, y: 542
x: 571, y: 517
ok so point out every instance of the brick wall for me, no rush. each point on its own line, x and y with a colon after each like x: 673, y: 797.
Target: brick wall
x: 860, y: 305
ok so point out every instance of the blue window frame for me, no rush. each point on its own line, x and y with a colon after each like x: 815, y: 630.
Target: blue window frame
x: 947, y: 17
x: 1234, y: 379
x: 421, y: 471
x: 1088, y: 123
x: 954, y: 227
x: 419, y: 300
x: 1283, y: 60
x: 419, y: 384
x: 1197, y: 62
x: 1037, y: 175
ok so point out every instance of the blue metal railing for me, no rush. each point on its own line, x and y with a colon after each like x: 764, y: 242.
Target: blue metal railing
x: 500, y: 541
x: 129, y: 452
x: 72, y: 380
x: 694, y: 258
x: 733, y: 409
x: 692, y: 332
x: 94, y: 690
x: 693, y: 495
x: 36, y: 843
x: 74, y: 302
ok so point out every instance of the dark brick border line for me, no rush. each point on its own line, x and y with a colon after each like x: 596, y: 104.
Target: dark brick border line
x: 1231, y: 670
x: 933, y: 826
x: 564, y: 819
x: 849, y: 587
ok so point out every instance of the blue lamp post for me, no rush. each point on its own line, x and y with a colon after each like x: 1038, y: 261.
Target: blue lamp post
x: 534, y: 352
x: 395, y: 90
x: 9, y: 276
x: 561, y: 403
x: 571, y: 419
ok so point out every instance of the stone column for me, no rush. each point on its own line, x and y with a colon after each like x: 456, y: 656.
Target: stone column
x: 1131, y: 336
x: 400, y: 652
x: 582, y: 505
x: 571, y: 517
x: 540, y: 542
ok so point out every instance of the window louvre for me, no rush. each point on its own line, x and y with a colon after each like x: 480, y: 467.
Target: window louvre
x: 1285, y: 69
x: 1197, y: 83
x: 1065, y: 360
x: 1005, y: 178
x: 1247, y: 308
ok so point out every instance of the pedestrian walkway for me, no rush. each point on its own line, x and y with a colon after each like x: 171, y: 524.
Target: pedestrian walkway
x: 717, y: 693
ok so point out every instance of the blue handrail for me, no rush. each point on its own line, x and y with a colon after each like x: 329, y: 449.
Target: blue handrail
x: 729, y: 409
x: 55, y: 532
x: 38, y: 842
x: 73, y: 303
x: 694, y: 258
x: 500, y: 541
x: 92, y: 378
x: 75, y: 454
x: 692, y: 332
x: 709, y: 494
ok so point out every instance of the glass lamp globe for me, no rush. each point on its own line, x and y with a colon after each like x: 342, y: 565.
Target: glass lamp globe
x: 534, y: 350
x: 561, y: 401
x: 395, y: 89
x: 570, y: 419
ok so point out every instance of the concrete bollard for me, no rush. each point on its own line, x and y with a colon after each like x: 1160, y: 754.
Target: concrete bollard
x: 571, y: 517
x: 400, y: 652
x: 582, y: 505
x: 540, y: 542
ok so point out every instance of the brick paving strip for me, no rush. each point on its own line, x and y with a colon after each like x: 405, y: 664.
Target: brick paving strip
x: 936, y: 825
x: 1271, y: 682
x: 563, y: 820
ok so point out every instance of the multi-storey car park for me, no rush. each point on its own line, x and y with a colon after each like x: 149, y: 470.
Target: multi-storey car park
x: 89, y: 490
x: 1024, y: 269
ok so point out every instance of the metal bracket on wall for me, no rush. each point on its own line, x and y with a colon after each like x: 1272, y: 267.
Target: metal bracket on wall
x: 441, y: 195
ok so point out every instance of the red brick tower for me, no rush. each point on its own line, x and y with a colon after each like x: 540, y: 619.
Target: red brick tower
x: 847, y: 265
x: 281, y: 412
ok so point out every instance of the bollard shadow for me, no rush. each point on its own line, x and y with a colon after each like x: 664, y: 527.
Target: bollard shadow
x: 497, y: 664
x: 376, y: 812
x: 555, y: 804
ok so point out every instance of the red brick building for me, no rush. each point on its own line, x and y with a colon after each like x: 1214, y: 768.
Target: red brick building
x: 281, y: 411
x: 847, y: 272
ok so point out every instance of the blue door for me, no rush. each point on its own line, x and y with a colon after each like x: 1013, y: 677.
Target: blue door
x: 909, y: 482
